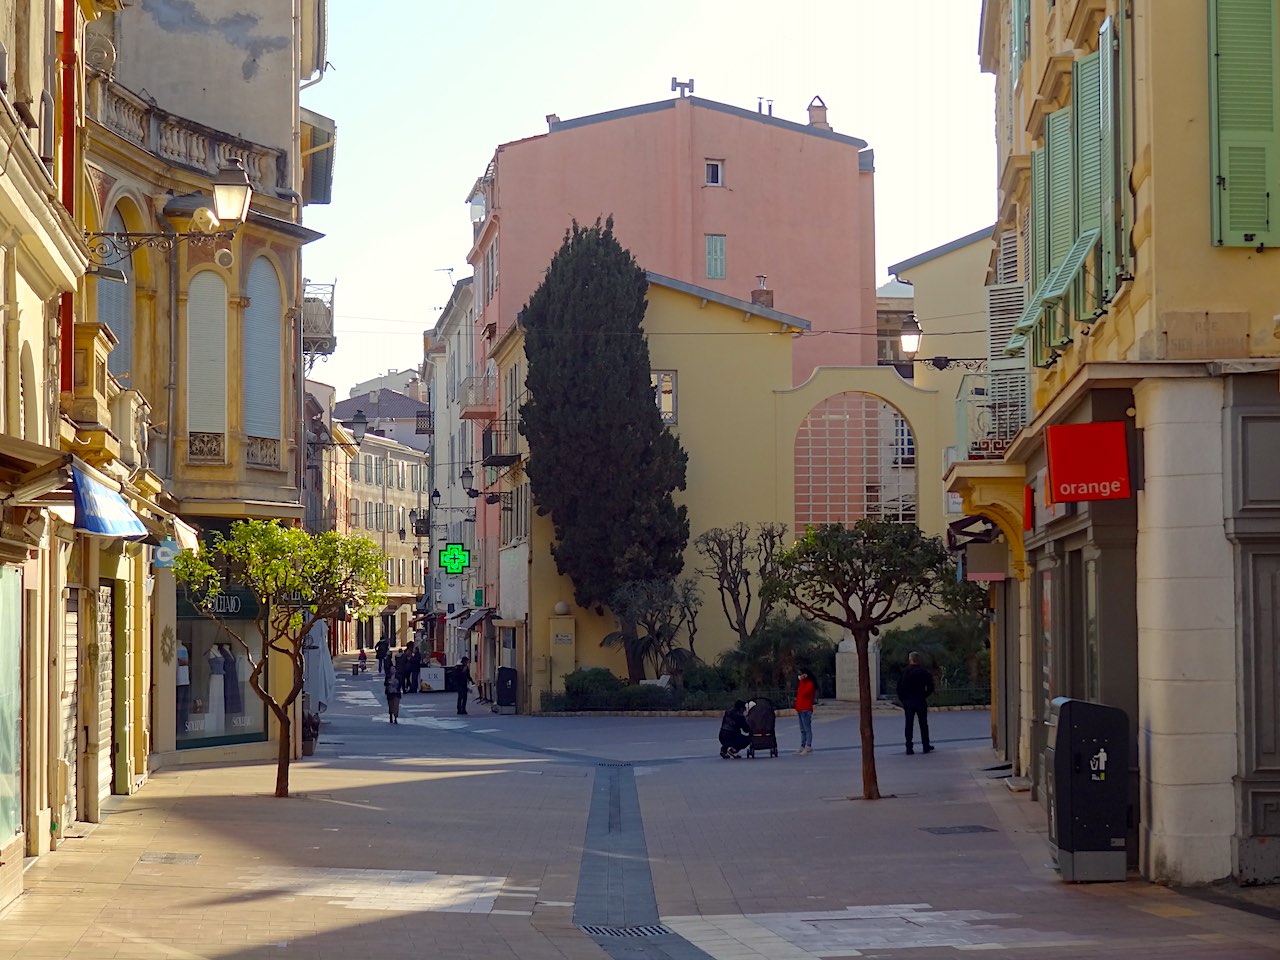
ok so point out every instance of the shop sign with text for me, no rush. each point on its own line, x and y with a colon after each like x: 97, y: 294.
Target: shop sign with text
x: 1088, y: 461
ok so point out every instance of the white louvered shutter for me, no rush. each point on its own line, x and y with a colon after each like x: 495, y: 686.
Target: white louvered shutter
x: 115, y: 309
x: 1007, y: 377
x: 207, y: 354
x: 261, y: 346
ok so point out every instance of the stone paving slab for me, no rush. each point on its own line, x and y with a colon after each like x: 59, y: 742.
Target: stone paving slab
x: 467, y: 837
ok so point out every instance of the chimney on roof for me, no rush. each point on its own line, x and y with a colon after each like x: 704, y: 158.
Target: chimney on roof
x: 552, y: 120
x: 818, y: 114
x: 762, y: 296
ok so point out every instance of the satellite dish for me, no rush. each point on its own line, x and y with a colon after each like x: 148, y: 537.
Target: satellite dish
x: 477, y: 208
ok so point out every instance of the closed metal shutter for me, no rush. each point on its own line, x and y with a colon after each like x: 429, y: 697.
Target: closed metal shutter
x: 261, y: 348
x: 207, y: 354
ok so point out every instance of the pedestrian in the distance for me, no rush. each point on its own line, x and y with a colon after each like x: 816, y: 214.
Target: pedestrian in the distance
x: 806, y: 693
x: 734, y: 732
x: 391, y: 687
x: 380, y: 651
x: 462, y: 673
x: 914, y: 689
x: 415, y: 667
x: 402, y: 669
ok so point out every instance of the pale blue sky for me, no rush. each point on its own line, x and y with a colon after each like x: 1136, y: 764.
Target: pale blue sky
x: 422, y: 102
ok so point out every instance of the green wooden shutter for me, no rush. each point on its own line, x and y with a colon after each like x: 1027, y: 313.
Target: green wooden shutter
x: 1039, y: 218
x: 1057, y: 141
x: 1242, y: 122
x: 1111, y: 181
x: 1085, y: 106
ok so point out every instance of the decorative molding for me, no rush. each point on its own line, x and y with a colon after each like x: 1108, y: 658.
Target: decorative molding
x: 262, y: 452
x: 206, y: 448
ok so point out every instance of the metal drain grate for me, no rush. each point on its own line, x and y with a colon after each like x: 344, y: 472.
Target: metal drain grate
x: 151, y: 857
x: 647, y: 930
x: 611, y: 763
x: 966, y: 828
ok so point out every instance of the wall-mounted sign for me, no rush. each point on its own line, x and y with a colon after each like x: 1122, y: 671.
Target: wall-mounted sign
x: 1088, y: 461
x: 166, y: 552
x: 454, y: 558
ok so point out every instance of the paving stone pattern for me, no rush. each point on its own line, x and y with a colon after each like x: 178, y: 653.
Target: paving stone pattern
x: 495, y: 838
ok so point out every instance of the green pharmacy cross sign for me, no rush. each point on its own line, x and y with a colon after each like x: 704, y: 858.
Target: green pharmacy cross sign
x: 455, y: 558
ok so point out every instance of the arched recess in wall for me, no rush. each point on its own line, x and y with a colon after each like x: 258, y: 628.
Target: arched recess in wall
x: 855, y: 458
x: 28, y: 396
x: 206, y: 367
x: 115, y: 309
x: 261, y: 348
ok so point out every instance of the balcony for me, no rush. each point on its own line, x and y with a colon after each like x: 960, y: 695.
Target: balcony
x: 499, y: 444
x: 317, y: 320
x: 478, y: 398
x: 991, y: 408
x: 178, y: 140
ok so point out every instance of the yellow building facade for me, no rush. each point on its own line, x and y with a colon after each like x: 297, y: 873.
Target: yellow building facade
x: 1136, y: 162
x: 747, y: 436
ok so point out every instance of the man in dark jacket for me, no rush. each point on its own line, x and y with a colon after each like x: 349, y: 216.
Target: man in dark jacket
x: 380, y: 650
x: 462, y: 673
x: 734, y: 732
x: 914, y: 688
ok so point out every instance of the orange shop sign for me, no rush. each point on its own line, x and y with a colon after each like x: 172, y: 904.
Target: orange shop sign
x: 1088, y: 461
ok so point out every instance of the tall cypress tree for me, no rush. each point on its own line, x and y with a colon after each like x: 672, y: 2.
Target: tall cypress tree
x: 601, y: 461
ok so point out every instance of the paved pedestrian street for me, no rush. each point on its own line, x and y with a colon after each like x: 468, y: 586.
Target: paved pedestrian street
x: 491, y: 836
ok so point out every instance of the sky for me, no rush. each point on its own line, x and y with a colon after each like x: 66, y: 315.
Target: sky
x: 421, y: 104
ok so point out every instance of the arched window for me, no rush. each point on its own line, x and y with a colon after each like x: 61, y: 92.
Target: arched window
x: 263, y: 320
x: 855, y: 458
x: 115, y: 309
x: 206, y: 367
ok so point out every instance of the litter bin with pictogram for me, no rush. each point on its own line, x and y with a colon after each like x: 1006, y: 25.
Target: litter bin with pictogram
x: 1087, y: 787
x: 506, y: 692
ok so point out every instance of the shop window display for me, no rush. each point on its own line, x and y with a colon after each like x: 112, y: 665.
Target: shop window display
x: 215, y: 701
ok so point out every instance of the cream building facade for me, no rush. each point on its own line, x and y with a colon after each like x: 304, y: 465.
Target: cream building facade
x: 1149, y: 302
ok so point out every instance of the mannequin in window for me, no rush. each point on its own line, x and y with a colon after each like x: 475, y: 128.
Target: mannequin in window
x: 215, y: 701
x: 183, y: 687
x: 231, y: 698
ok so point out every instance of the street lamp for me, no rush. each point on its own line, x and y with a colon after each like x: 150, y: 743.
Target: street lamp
x: 211, y: 226
x: 910, y: 341
x: 468, y: 481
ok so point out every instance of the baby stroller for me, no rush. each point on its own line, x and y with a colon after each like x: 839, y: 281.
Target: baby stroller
x: 762, y: 719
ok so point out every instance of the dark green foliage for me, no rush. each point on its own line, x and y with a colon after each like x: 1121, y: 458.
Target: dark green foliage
x: 601, y: 462
x: 591, y: 682
x: 652, y: 617
x: 770, y: 657
x: 705, y: 678
x: 958, y: 654
x: 647, y: 696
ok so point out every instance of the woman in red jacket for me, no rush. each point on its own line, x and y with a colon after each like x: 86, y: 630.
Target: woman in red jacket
x: 806, y: 690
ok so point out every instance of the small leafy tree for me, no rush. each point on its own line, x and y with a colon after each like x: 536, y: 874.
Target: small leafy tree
x: 734, y: 559
x: 651, y: 616
x: 771, y: 654
x: 297, y: 579
x: 860, y: 577
x: 601, y: 461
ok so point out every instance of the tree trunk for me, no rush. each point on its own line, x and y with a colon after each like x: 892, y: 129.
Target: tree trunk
x: 283, y: 753
x: 870, y: 786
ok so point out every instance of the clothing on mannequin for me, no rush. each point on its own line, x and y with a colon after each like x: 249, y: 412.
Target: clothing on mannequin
x: 232, y: 700
x: 215, y: 702
x: 183, y: 687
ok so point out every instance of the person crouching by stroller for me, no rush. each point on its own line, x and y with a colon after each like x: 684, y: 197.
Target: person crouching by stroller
x: 734, y: 732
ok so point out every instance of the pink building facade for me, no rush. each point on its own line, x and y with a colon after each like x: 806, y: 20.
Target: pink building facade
x: 699, y: 191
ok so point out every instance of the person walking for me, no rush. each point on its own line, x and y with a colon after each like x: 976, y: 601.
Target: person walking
x: 806, y: 693
x: 415, y: 667
x: 734, y: 732
x: 380, y: 651
x: 391, y: 687
x: 915, y: 686
x: 402, y: 669
x: 462, y: 673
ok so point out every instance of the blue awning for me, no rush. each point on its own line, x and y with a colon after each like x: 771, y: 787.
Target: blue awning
x: 102, y: 511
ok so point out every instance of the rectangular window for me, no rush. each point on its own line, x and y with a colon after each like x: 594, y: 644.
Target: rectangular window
x: 353, y: 513
x: 368, y: 515
x: 715, y: 173
x: 379, y: 470
x: 400, y: 474
x: 715, y: 256
x: 402, y: 576
x: 368, y: 468
x: 664, y: 393
x: 355, y: 467
x: 904, y: 444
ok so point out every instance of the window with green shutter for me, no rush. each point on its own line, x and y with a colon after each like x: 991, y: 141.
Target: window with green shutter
x: 1039, y: 218
x: 1242, y: 121
x: 1114, y: 245
x: 715, y: 256
x: 1058, y: 165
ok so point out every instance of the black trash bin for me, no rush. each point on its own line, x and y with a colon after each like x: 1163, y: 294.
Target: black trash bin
x: 1087, y: 772
x: 506, y: 694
